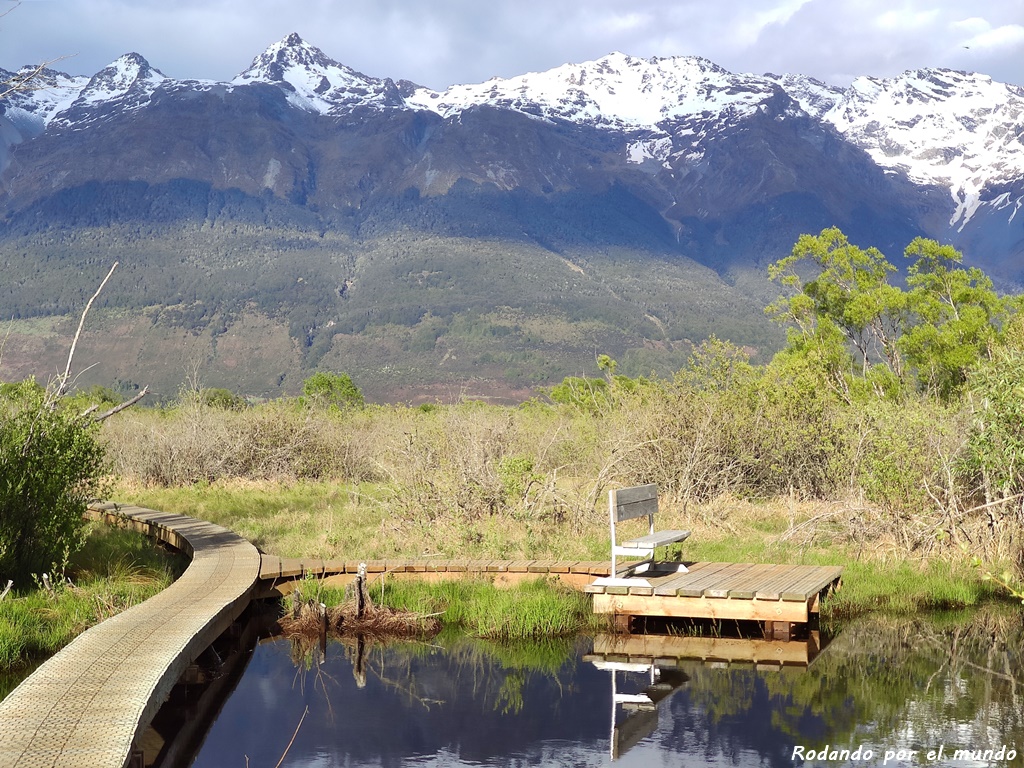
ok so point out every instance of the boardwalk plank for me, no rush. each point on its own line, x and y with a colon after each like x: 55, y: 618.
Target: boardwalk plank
x: 812, y: 583
x: 707, y: 577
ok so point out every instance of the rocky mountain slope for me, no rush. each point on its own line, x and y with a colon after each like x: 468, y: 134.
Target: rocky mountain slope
x: 224, y: 196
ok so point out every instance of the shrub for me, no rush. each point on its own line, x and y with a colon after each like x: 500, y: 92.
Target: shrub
x: 225, y: 399
x: 331, y: 389
x: 50, y: 468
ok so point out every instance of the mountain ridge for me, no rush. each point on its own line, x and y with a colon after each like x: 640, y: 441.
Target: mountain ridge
x: 673, y: 98
x: 632, y: 170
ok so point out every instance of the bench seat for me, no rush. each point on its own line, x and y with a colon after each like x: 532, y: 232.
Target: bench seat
x: 658, y: 539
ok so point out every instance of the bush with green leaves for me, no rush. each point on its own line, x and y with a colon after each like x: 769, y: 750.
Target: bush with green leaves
x: 224, y: 399
x: 51, y: 466
x: 325, y: 390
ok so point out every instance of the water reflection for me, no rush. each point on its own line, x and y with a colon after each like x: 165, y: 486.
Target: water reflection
x: 884, y: 684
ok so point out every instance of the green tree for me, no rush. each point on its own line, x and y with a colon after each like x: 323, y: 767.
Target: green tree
x: 586, y: 394
x: 957, y: 317
x: 51, y: 465
x: 331, y: 389
x: 864, y: 334
x: 850, y: 294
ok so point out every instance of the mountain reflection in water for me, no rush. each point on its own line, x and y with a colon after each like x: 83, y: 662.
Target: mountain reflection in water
x: 882, y: 683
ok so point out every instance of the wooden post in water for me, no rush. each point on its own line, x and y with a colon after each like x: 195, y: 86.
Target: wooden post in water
x: 361, y: 591
x: 323, y: 630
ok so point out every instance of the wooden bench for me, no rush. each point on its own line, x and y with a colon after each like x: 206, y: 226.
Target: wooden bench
x: 627, y: 504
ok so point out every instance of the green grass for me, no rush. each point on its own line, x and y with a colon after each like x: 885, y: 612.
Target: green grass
x: 903, y: 587
x: 115, y: 570
x: 530, y: 610
x: 322, y: 520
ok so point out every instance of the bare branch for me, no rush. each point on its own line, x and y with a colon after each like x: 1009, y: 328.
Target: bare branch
x: 25, y: 80
x: 62, y: 386
x: 121, y: 406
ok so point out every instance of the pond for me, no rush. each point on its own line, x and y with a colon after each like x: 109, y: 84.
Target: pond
x: 897, y: 690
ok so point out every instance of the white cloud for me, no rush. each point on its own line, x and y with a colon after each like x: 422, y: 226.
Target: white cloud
x: 1006, y: 36
x: 442, y: 42
x: 972, y: 26
x: 750, y: 26
x: 906, y: 19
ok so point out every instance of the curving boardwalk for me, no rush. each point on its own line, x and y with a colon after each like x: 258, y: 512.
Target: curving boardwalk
x: 88, y: 705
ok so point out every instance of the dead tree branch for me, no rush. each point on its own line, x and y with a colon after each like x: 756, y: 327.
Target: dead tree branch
x: 63, y: 379
x: 121, y: 406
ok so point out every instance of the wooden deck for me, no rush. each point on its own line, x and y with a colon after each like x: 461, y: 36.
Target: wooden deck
x: 742, y: 591
x: 90, y: 704
x: 758, y: 592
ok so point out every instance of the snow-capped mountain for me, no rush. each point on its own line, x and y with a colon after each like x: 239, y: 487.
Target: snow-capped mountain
x: 960, y: 131
x: 55, y: 92
x: 617, y: 91
x: 315, y: 82
x: 934, y: 152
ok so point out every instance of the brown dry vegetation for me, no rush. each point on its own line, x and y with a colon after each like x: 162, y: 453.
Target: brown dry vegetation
x: 749, y: 456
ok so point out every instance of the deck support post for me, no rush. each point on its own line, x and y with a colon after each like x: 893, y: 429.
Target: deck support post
x: 779, y: 630
x: 622, y: 623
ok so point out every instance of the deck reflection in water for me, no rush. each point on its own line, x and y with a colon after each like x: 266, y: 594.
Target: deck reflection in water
x: 659, y: 660
x: 693, y: 701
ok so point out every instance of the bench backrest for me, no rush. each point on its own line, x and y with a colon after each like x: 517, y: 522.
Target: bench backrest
x: 627, y: 503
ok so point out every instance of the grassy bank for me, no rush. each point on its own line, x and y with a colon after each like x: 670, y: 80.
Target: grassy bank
x: 327, y: 520
x: 115, y: 570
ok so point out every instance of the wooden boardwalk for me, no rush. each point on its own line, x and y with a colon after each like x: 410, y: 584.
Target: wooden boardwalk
x: 279, y: 576
x: 88, y: 706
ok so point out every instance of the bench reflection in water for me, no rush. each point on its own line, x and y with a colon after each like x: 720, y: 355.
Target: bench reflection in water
x: 661, y: 661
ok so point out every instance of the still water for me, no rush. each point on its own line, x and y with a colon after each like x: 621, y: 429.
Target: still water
x: 886, y: 687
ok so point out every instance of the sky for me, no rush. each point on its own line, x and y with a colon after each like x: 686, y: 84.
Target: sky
x: 438, y: 43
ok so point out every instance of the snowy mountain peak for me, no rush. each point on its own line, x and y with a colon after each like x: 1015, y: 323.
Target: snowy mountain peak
x: 958, y: 130
x: 126, y: 72
x: 288, y: 54
x: 316, y: 82
x: 51, y: 92
x: 814, y: 97
x: 617, y: 90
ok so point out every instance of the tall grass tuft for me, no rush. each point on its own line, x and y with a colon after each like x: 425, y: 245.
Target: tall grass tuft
x: 532, y: 609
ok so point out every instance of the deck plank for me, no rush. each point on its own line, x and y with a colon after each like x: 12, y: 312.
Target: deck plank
x: 812, y: 583
x: 706, y: 578
x: 773, y: 588
x: 786, y: 582
x: 753, y: 575
x: 760, y: 589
